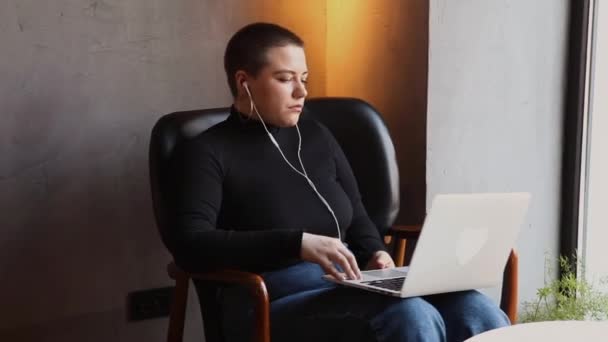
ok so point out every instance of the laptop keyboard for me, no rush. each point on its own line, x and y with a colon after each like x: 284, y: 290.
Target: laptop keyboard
x: 394, y: 284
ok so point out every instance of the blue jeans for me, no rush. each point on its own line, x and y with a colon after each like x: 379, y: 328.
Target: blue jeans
x: 304, y: 307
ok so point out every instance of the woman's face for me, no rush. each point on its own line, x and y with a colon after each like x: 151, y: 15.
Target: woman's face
x: 279, y: 89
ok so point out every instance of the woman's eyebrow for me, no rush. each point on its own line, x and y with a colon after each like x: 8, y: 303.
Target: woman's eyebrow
x: 283, y: 71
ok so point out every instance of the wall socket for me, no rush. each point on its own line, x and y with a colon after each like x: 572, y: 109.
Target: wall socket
x: 148, y: 304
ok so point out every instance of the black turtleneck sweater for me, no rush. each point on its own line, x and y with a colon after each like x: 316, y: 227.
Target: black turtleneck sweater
x: 239, y: 205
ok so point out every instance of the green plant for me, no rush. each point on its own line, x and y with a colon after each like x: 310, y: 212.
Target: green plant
x: 566, y: 298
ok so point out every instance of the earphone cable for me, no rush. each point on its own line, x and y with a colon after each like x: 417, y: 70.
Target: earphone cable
x: 301, y: 173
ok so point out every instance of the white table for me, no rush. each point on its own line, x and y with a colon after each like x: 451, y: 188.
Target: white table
x: 556, y: 331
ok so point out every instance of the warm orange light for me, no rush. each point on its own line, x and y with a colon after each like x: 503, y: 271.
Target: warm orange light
x: 349, y: 37
x: 308, y: 20
x: 371, y: 49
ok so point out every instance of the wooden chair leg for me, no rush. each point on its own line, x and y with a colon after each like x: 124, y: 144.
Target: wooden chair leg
x: 177, y: 316
x: 399, y: 254
x: 262, y: 315
x: 510, y: 295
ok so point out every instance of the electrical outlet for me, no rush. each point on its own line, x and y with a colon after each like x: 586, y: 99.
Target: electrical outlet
x: 147, y: 304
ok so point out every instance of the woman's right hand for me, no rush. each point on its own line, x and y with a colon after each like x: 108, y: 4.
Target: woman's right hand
x: 326, y: 251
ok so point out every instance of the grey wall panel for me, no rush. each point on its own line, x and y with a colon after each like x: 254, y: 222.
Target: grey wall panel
x: 496, y: 87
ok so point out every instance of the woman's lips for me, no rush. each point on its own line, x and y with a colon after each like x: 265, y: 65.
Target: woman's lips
x: 296, y: 108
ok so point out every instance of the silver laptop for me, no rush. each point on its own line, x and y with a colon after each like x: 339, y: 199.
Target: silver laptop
x: 464, y: 244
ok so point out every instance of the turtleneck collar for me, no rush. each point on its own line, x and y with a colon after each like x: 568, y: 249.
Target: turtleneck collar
x: 244, y: 120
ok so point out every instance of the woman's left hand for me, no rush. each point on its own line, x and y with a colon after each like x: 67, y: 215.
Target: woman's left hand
x: 380, y: 259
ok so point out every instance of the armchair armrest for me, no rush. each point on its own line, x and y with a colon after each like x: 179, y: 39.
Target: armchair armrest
x: 405, y: 231
x: 251, y: 281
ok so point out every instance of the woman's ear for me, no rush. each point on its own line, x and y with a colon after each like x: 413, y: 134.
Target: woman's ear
x: 241, y: 79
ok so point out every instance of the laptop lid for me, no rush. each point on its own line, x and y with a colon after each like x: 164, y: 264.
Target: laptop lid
x: 465, y: 242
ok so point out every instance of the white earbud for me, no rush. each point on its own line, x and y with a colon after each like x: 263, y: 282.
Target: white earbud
x: 251, y: 105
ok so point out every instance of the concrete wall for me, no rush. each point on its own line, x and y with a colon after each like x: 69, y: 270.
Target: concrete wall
x: 82, y: 83
x: 495, y: 101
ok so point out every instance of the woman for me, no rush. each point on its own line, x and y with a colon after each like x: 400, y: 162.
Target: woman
x: 269, y: 192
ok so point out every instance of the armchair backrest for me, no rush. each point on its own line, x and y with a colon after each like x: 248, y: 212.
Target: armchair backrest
x: 170, y: 131
x: 366, y: 142
x: 357, y: 127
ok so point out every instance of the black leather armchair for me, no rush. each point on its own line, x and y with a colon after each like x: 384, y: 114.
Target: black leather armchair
x: 363, y: 136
